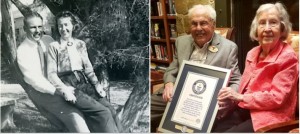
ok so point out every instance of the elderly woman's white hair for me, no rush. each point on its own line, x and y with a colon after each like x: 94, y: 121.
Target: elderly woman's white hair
x: 208, y: 8
x: 286, y: 25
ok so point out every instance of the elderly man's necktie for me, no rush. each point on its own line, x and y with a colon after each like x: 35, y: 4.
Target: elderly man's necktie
x: 42, y: 58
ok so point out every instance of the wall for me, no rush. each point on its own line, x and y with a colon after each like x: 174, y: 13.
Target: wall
x: 182, y: 7
x: 223, y: 10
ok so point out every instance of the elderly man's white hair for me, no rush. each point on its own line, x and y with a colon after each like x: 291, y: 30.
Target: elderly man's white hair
x: 211, y: 12
x: 286, y: 25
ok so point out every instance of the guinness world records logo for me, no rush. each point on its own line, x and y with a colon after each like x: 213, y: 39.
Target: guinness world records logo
x: 199, y: 86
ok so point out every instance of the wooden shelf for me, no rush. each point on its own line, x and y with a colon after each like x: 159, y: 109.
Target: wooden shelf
x: 160, y: 61
x: 157, y: 40
x: 163, y: 45
x: 157, y: 17
x: 172, y: 40
x: 156, y: 78
x: 173, y: 17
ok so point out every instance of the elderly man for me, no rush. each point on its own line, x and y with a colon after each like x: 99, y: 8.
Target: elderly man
x: 202, y: 46
x: 31, y: 61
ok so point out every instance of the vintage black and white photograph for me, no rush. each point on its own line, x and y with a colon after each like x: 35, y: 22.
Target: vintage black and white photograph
x: 74, y: 66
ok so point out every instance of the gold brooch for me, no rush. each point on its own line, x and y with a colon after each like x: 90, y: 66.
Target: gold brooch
x: 213, y: 49
x: 70, y: 43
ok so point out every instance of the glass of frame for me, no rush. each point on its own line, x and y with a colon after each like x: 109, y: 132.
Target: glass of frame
x: 194, y: 104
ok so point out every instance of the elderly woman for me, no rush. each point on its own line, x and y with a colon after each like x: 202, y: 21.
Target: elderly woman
x: 70, y: 70
x: 267, y: 92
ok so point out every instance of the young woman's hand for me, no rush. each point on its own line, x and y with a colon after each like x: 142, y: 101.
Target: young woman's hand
x: 100, y: 90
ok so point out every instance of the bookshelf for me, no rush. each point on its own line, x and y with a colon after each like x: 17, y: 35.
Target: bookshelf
x: 163, y: 35
x: 163, y: 32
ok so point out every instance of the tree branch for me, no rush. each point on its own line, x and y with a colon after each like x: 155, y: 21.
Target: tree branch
x: 22, y: 8
x: 54, y: 7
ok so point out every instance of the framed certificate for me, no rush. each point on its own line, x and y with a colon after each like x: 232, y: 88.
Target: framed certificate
x: 194, y: 104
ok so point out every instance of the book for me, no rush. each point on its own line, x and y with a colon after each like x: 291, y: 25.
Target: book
x: 159, y: 8
x: 152, y: 30
x: 161, y: 67
x: 171, y: 7
x: 151, y: 51
x: 165, y: 53
x: 157, y: 52
x: 173, y: 31
x: 156, y: 30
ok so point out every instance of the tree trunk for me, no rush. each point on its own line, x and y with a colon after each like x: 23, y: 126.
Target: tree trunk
x: 134, y: 107
x: 9, y: 48
x: 138, y: 99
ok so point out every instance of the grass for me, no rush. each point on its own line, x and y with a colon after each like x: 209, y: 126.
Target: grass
x: 29, y: 120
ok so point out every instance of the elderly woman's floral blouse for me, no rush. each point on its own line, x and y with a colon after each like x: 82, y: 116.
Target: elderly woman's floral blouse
x: 59, y: 62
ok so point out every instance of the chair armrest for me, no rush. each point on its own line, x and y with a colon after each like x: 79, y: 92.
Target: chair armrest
x: 156, y: 78
x: 280, y: 127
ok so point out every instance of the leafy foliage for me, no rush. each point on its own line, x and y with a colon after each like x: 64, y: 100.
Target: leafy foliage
x: 117, y: 35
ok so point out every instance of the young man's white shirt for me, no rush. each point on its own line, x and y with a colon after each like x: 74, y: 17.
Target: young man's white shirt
x: 29, y: 63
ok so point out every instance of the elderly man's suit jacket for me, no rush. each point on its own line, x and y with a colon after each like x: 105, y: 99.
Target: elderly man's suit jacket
x: 225, y: 57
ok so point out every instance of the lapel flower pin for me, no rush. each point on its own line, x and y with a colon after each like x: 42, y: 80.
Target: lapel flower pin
x: 213, y: 49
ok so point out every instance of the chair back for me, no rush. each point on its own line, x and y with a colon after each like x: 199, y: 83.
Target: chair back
x: 293, y: 40
x: 228, y: 33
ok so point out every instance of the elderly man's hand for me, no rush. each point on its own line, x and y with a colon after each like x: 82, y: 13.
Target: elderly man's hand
x: 168, y: 92
x: 225, y: 104
x: 226, y: 98
x: 225, y: 107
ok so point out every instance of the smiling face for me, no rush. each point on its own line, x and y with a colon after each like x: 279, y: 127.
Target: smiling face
x: 202, y: 27
x: 269, y: 27
x: 65, y: 27
x: 34, y: 28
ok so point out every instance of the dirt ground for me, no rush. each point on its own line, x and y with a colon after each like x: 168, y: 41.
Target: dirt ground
x: 28, y: 120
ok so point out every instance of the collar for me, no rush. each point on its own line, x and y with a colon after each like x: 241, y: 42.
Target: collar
x: 33, y: 43
x: 271, y: 57
x: 215, y: 39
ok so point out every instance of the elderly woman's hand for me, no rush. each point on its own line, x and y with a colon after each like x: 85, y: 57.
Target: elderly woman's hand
x: 229, y: 93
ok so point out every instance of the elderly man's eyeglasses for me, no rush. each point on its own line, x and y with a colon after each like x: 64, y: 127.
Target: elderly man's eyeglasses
x: 272, y: 23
